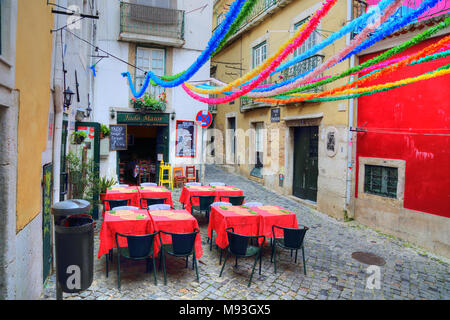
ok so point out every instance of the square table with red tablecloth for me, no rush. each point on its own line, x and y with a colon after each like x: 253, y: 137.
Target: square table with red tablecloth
x: 218, y: 192
x: 175, y: 221
x: 132, y: 222
x: 250, y: 221
x: 274, y: 215
x: 244, y: 221
x: 121, y: 193
x: 155, y: 192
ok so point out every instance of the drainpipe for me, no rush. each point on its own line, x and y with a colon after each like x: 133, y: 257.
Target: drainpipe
x: 350, y: 118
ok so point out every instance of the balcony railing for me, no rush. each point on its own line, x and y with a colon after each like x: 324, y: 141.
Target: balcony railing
x: 261, y: 6
x: 302, y: 67
x: 249, y: 104
x: 408, y: 6
x: 142, y: 23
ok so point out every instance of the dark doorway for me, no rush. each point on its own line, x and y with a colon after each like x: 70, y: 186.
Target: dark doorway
x: 145, y: 143
x: 306, y: 141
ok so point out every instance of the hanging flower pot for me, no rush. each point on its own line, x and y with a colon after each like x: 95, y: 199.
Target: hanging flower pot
x: 104, y: 131
x: 78, y: 137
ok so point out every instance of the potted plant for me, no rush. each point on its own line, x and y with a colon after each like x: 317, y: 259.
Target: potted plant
x: 149, y: 103
x: 78, y: 137
x: 104, y: 131
x: 103, y: 185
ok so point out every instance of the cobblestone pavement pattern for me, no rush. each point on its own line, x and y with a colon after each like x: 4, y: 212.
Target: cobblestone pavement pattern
x: 332, y: 273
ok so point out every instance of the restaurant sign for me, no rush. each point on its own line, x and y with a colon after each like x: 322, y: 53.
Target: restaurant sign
x: 156, y: 119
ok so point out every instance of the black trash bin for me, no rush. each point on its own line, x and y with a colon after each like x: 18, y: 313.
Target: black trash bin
x: 74, y: 246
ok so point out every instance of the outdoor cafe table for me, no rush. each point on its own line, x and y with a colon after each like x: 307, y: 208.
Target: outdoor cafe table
x: 176, y: 221
x: 120, y: 193
x: 136, y: 222
x: 156, y: 192
x: 217, y: 191
x: 250, y: 221
x: 140, y: 222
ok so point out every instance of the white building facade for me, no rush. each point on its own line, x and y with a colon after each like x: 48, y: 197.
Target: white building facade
x: 165, y: 37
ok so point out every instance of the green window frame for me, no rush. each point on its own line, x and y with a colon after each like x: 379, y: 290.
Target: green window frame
x: 150, y: 59
x: 310, y: 42
x: 259, y: 54
x: 381, y: 180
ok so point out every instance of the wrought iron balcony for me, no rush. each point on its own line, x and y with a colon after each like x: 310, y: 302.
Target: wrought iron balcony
x: 249, y: 104
x: 302, y: 67
x: 146, y: 24
x: 261, y: 8
x: 442, y: 7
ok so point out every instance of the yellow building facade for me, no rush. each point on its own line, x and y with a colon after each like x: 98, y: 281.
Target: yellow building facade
x: 295, y: 149
x: 33, y: 73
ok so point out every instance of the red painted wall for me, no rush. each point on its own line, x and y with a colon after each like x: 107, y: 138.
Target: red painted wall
x: 422, y: 107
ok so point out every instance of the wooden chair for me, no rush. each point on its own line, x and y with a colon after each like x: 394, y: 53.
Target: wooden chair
x: 178, y: 176
x: 144, y: 173
x: 190, y: 174
x: 121, y: 172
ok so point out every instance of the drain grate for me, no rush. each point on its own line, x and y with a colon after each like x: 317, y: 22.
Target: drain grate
x: 368, y: 258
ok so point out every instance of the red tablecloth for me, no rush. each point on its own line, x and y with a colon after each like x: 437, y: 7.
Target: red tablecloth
x: 248, y: 221
x: 155, y: 192
x: 189, y: 191
x: 274, y: 215
x: 136, y: 222
x: 243, y: 222
x: 120, y: 193
x: 176, y: 221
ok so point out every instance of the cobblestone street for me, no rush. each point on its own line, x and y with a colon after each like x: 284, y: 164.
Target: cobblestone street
x: 332, y: 273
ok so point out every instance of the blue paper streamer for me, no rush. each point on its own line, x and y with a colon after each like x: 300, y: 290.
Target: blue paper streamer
x: 213, y: 43
x: 392, y: 26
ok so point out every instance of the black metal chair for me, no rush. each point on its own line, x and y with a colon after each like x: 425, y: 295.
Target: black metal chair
x: 160, y: 207
x: 292, y: 240
x: 238, y: 246
x: 126, y: 208
x: 183, y: 245
x: 234, y: 200
x: 151, y: 201
x: 217, y: 184
x: 116, y: 203
x: 148, y: 184
x: 253, y: 204
x: 140, y: 247
x: 204, y: 204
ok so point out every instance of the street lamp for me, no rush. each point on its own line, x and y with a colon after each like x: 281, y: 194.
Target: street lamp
x: 87, y: 114
x: 68, y: 94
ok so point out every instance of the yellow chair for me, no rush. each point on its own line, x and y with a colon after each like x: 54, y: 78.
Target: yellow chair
x: 165, y: 175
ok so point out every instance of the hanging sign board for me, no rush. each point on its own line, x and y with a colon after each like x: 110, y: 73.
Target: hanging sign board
x: 118, y: 139
x: 275, y: 115
x: 204, y: 118
x: 185, y: 144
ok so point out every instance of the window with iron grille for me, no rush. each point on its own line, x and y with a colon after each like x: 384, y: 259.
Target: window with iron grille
x: 150, y: 59
x: 381, y: 180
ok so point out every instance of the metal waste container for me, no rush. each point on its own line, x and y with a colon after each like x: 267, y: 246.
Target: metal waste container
x: 74, y: 246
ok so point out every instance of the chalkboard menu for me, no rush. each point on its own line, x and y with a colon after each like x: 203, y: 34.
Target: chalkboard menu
x: 118, y: 137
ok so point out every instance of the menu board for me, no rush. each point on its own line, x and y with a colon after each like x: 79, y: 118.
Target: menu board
x: 118, y: 139
x: 185, y: 144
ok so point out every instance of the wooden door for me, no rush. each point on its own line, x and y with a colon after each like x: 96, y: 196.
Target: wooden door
x: 306, y: 143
